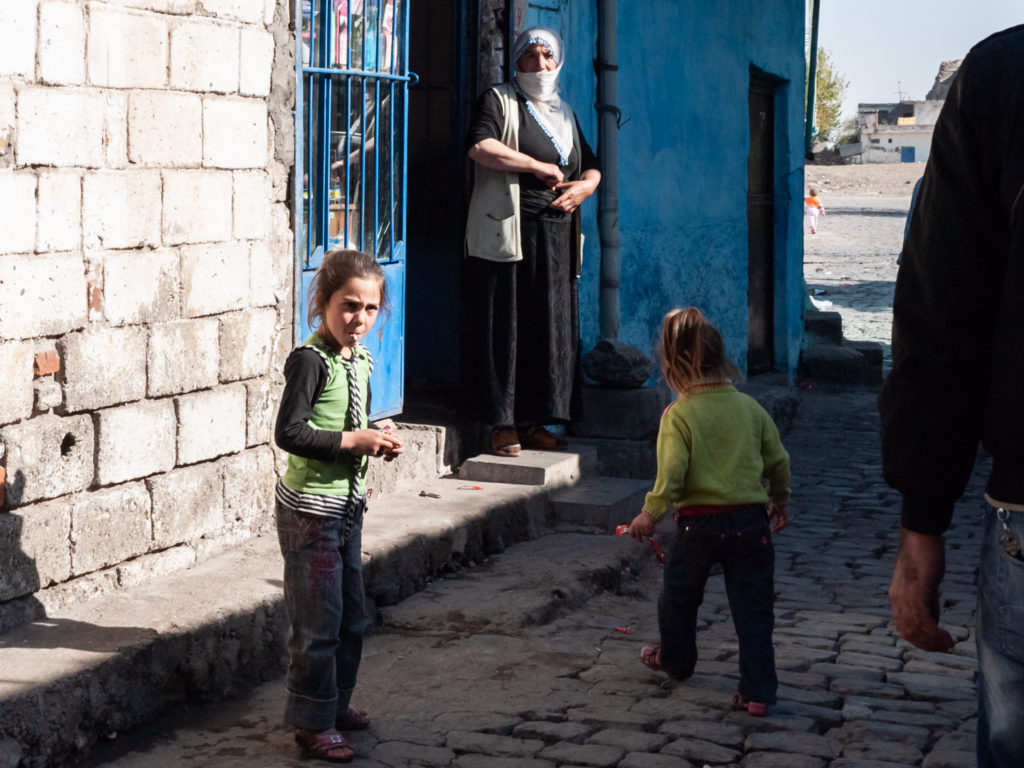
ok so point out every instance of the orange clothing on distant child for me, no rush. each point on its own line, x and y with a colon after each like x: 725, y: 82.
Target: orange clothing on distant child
x: 812, y: 209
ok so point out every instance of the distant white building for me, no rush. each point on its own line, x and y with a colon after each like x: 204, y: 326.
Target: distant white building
x: 897, y: 133
x: 901, y: 132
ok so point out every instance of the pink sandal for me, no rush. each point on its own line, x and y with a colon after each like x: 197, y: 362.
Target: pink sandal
x: 329, y: 745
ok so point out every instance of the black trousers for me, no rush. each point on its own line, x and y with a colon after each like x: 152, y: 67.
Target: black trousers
x: 520, y: 343
x: 740, y: 540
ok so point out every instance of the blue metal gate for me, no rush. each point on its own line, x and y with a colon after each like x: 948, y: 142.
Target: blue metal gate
x: 351, y: 168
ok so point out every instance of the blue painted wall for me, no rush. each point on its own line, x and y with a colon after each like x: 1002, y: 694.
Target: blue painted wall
x: 684, y: 76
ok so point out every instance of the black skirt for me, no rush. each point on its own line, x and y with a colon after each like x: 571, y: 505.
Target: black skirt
x: 521, y: 331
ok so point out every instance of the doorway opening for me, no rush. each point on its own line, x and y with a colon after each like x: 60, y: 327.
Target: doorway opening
x: 760, y: 226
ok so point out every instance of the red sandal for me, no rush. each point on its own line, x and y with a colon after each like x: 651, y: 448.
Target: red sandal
x: 352, y: 720
x: 329, y: 745
x: 650, y: 657
x: 755, y: 708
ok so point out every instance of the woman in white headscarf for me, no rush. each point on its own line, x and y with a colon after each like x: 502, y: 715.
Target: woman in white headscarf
x: 533, y: 168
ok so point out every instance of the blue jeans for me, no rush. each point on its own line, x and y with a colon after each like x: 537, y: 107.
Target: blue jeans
x: 1000, y: 638
x: 326, y: 605
x: 740, y: 540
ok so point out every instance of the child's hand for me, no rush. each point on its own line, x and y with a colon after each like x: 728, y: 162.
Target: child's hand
x: 642, y: 527
x: 370, y: 442
x: 397, y: 446
x: 778, y: 517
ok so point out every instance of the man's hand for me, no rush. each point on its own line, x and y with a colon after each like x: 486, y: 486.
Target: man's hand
x: 914, y: 591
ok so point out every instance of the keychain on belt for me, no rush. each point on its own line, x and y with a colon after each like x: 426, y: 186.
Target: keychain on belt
x: 1009, y: 541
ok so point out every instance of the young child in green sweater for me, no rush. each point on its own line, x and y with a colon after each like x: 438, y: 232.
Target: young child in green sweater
x: 715, y: 445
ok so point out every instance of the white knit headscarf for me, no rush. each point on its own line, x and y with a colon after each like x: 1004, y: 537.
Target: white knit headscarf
x: 541, y: 90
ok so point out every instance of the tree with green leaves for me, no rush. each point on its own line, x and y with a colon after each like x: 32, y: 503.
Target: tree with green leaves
x: 829, y: 89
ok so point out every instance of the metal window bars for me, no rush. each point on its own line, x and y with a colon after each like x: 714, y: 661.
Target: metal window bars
x: 353, y: 91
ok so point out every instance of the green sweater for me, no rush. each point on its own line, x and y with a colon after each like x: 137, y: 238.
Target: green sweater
x: 714, y: 446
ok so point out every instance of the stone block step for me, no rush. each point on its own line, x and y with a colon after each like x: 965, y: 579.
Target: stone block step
x: 540, y: 468
x: 623, y: 458
x: 838, y: 363
x: 598, y: 502
x: 425, y: 457
x: 621, y: 414
x: 873, y: 352
x: 824, y: 326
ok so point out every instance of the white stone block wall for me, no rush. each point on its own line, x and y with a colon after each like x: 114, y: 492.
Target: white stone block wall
x: 146, y: 291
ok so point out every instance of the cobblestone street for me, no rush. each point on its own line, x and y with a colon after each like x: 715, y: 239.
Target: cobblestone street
x: 532, y: 659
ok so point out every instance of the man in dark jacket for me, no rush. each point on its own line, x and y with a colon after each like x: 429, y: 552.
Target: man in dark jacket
x: 958, y: 378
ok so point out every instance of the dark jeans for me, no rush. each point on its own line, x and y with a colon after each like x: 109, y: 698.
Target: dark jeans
x: 323, y: 593
x: 741, y: 542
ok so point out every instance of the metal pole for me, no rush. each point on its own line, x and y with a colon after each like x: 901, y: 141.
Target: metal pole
x: 812, y: 74
x: 608, y: 152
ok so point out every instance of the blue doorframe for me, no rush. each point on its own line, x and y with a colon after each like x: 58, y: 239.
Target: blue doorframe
x: 351, y: 149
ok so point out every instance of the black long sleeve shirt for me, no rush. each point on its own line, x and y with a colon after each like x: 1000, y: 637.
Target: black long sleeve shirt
x: 958, y: 312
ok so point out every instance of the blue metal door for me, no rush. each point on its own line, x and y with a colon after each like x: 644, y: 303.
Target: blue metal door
x: 907, y: 154
x: 544, y: 13
x: 351, y: 170
x: 535, y: 13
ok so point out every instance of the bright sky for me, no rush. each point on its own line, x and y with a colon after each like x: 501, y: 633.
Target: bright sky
x: 885, y: 46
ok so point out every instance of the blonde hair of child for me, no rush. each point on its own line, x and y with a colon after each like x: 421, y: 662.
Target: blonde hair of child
x: 692, y: 349
x: 335, y: 270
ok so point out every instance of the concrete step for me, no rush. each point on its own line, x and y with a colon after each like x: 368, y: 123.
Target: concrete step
x: 95, y: 668
x: 842, y: 363
x: 598, y: 502
x: 823, y: 326
x: 540, y: 468
x: 427, y: 456
x: 872, y: 351
x: 622, y: 458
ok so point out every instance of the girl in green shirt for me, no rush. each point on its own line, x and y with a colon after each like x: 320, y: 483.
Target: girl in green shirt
x: 715, y: 445
x: 322, y: 424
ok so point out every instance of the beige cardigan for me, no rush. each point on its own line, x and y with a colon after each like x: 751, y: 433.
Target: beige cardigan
x: 492, y: 224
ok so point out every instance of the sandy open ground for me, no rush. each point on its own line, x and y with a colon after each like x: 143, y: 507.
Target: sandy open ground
x: 882, y: 179
x: 850, y: 264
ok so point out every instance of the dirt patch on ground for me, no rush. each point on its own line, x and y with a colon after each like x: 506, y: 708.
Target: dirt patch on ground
x: 882, y: 179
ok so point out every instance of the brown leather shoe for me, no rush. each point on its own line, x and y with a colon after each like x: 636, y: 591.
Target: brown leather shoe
x: 540, y: 439
x: 505, y: 441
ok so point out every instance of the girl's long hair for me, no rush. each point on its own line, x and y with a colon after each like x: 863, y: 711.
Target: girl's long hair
x: 335, y: 270
x: 692, y: 349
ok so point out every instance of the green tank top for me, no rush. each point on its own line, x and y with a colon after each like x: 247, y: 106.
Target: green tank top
x: 335, y: 410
